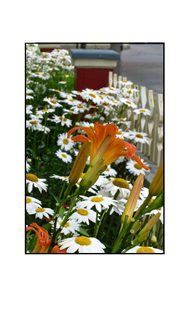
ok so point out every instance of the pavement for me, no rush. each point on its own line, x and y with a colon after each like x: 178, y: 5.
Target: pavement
x: 143, y: 65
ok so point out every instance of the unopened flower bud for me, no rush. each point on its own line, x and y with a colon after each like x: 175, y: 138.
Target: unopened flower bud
x: 156, y: 185
x: 153, y: 239
x: 29, y: 160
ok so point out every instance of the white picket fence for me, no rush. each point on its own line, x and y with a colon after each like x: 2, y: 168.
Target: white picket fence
x: 152, y: 125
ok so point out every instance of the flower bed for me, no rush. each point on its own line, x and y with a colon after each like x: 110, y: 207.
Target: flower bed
x: 84, y: 182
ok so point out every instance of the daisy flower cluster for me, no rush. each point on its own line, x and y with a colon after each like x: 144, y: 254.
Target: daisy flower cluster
x: 81, y: 166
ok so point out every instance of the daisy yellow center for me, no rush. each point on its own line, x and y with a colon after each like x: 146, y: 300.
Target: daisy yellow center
x: 26, y: 106
x: 145, y: 250
x: 101, y: 97
x: 121, y: 120
x: 137, y: 166
x: 64, y: 156
x: 142, y: 110
x: 107, y: 169
x: 114, y: 101
x: 118, y: 182
x: 92, y: 127
x: 97, y: 199
x: 65, y: 141
x: 31, y: 177
x: 78, y: 91
x: 40, y: 210
x: 82, y: 175
x: 80, y: 107
x: 129, y: 91
x: 64, y: 177
x: 34, y: 122
x: 83, y: 212
x: 124, y: 81
x: 53, y: 101
x: 93, y: 114
x: 111, y: 89
x: 119, y: 132
x: 28, y: 200
x: 72, y: 100
x: 139, y: 135
x: 44, y: 110
x: 66, y: 225
x: 63, y: 118
x: 92, y: 95
x: 128, y: 102
x: 83, y: 241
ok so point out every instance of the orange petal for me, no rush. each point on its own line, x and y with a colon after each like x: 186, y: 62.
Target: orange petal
x: 80, y: 138
x: 131, y: 149
x: 113, y: 151
x: 137, y: 159
x: 56, y: 249
x: 102, y: 131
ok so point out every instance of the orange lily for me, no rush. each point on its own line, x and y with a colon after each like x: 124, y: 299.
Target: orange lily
x: 43, y: 241
x: 56, y: 249
x: 115, y: 148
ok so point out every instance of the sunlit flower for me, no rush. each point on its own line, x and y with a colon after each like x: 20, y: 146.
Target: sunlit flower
x: 136, y: 168
x: 99, y: 202
x: 115, y: 148
x: 64, y: 142
x: 32, y: 204
x: 82, y: 245
x: 40, y: 212
x: 83, y: 215
x: 64, y: 156
x: 139, y: 249
x: 33, y: 180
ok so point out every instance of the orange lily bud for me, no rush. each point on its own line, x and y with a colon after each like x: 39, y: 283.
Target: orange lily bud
x: 56, y: 249
x: 79, y: 163
x: 156, y: 185
x: 131, y: 203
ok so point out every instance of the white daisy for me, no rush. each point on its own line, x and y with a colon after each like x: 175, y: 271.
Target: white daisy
x: 63, y: 120
x: 119, y: 207
x: 109, y: 171
x: 100, y: 202
x: 128, y: 102
x: 53, y: 102
x: 64, y: 142
x: 70, y: 227
x: 82, y: 244
x: 32, y: 204
x: 139, y: 249
x: 33, y: 124
x: 135, y: 168
x: 79, y: 108
x: 72, y: 102
x: 142, y: 111
x: 63, y: 178
x: 45, y: 110
x: 125, y: 83
x: 110, y: 90
x: 112, y: 185
x: 89, y: 94
x: 33, y: 180
x: 29, y: 108
x: 40, y: 212
x: 64, y: 156
x: 62, y: 82
x: 28, y: 97
x: 138, y: 136
x: 27, y: 167
x: 83, y: 215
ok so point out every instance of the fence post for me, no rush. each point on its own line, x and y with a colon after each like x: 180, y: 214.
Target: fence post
x: 149, y: 123
x: 156, y: 152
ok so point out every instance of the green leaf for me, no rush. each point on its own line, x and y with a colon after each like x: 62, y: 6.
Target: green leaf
x: 83, y: 232
x: 156, y: 204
